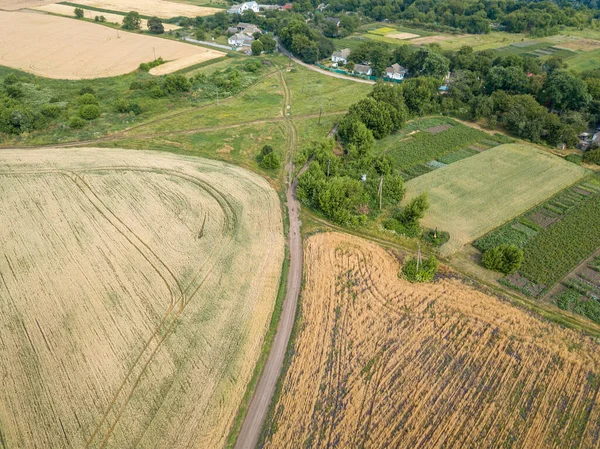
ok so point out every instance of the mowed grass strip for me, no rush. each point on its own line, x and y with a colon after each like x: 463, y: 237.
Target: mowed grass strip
x: 477, y: 194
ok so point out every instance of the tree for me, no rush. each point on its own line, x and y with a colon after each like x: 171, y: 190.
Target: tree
x: 155, y: 25
x: 268, y: 43
x: 504, y: 258
x: 257, y: 48
x: 414, y: 211
x: 339, y: 198
x: 79, y: 13
x: 354, y: 134
x: 200, y: 34
x: 131, y: 21
x: 376, y: 115
x: 563, y: 91
x: 420, y: 94
x: 428, y: 62
x: 176, y: 83
x: 509, y: 79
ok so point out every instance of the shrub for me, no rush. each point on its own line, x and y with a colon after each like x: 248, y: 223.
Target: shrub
x: 123, y: 106
x: 146, y: 66
x: 176, y: 83
x: 76, y: 122
x: 270, y: 161
x: 87, y: 90
x: 436, y: 238
x: 503, y: 258
x: 592, y: 156
x: 51, y: 110
x: 89, y: 111
x: 157, y: 92
x: 425, y: 272
x: 78, y: 13
x: 575, y: 158
x: 14, y: 90
x: 87, y: 98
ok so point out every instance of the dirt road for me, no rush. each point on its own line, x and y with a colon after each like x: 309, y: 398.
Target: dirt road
x: 261, y: 400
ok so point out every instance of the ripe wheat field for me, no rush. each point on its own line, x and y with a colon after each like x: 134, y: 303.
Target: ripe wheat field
x: 136, y: 289
x: 382, y: 363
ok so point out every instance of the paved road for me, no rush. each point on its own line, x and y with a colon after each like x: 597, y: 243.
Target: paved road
x: 210, y: 44
x: 320, y: 70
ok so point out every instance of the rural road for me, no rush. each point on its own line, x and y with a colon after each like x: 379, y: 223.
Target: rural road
x: 324, y: 72
x: 261, y: 400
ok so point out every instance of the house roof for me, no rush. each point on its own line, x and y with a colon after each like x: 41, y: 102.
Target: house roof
x: 344, y: 53
x: 361, y: 68
x: 396, y: 69
x: 243, y: 38
x: 287, y: 6
x: 333, y: 19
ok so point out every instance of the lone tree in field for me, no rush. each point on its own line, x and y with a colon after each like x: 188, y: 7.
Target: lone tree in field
x: 131, y: 21
x: 79, y: 13
x: 155, y: 26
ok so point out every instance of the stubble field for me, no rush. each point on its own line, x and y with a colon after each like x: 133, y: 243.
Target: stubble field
x: 475, y: 195
x: 68, y: 11
x: 70, y: 49
x: 159, y: 8
x: 380, y: 363
x: 136, y: 289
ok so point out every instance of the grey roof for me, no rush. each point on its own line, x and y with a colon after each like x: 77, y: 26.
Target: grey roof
x: 361, y: 68
x: 344, y: 53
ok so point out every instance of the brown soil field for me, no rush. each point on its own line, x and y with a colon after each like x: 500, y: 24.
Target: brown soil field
x: 159, y: 8
x: 136, y: 289
x: 13, y: 5
x: 73, y: 49
x: 382, y: 363
x: 402, y: 36
x: 68, y: 11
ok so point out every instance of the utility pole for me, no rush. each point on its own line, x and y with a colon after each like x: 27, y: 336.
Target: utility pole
x: 320, y: 112
x: 154, y: 50
x: 380, y: 191
x: 419, y: 258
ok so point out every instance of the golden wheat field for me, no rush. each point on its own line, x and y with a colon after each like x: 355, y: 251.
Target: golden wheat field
x: 160, y: 8
x: 136, y: 289
x: 382, y: 363
x: 64, y: 48
x: 68, y: 11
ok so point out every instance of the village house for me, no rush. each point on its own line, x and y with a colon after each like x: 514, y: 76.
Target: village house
x: 395, y: 72
x: 341, y: 56
x: 287, y: 7
x: 362, y: 69
x: 239, y: 9
x: 334, y: 20
x: 240, y: 40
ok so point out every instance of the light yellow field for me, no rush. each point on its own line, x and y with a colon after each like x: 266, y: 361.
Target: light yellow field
x: 159, y: 8
x: 382, y: 363
x: 471, y: 197
x: 57, y: 47
x: 136, y: 289
x: 68, y: 11
x: 12, y: 5
x: 402, y: 36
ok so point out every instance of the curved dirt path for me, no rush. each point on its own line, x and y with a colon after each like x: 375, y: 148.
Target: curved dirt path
x: 261, y: 399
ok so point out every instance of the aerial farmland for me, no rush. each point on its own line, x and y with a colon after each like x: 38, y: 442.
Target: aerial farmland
x: 298, y: 225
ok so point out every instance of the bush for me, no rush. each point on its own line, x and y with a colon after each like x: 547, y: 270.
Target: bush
x: 157, y: 92
x: 503, y: 258
x: 425, y: 272
x: 78, y: 13
x: 87, y: 90
x: 123, y: 106
x: 575, y: 158
x: 87, y: 98
x: 252, y: 66
x: 76, y: 122
x: 89, y: 111
x: 51, y: 110
x: 176, y: 83
x: 436, y: 238
x: 592, y: 156
x: 14, y: 91
x: 271, y: 161
x: 566, y: 299
x: 146, y: 66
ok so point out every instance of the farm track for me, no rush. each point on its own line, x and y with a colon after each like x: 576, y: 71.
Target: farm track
x: 263, y: 394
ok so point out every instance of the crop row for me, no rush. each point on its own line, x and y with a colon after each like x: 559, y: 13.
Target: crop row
x: 424, y: 147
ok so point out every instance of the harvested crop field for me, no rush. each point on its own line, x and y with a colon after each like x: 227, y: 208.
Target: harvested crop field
x: 73, y: 49
x: 382, y: 363
x: 66, y: 10
x: 580, y: 44
x: 13, y: 5
x: 475, y: 195
x: 136, y: 291
x: 158, y: 8
x: 402, y: 36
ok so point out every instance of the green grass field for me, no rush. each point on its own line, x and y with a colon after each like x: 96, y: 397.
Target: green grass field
x: 475, y: 195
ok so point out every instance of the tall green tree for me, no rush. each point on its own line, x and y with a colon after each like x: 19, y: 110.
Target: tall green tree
x: 132, y: 21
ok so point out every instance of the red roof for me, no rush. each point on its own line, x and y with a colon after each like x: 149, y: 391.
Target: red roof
x: 287, y: 7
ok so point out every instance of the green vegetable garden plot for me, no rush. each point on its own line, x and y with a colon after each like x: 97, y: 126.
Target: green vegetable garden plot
x: 458, y: 155
x: 475, y: 195
x: 551, y: 254
x: 424, y: 147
